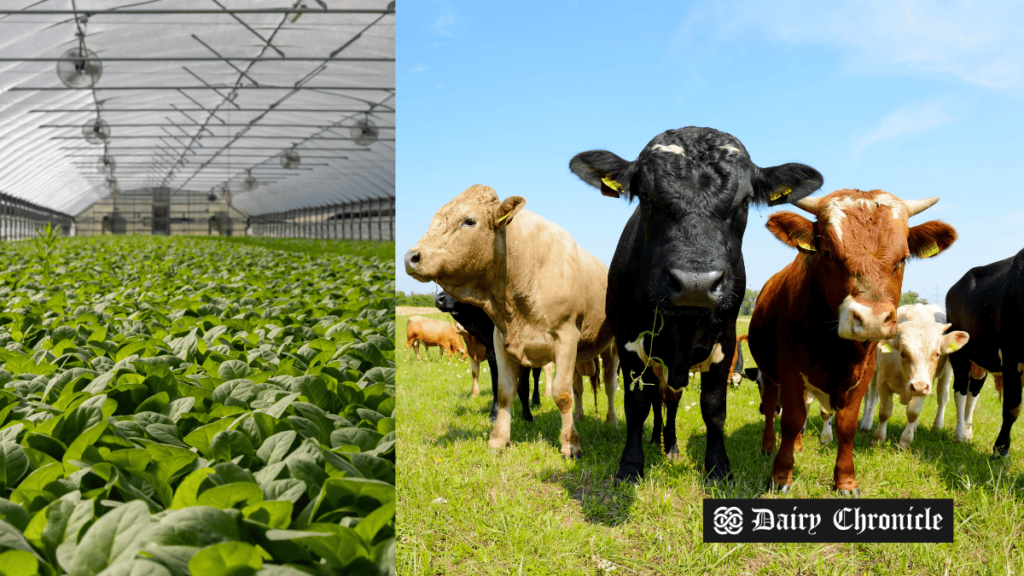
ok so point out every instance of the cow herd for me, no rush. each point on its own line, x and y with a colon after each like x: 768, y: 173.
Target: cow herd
x: 826, y: 327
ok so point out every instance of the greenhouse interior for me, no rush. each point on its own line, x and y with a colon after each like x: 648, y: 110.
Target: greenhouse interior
x: 197, y: 297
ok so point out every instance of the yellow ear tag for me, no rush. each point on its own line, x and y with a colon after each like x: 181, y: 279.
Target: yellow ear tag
x: 779, y: 192
x: 953, y: 347
x: 807, y: 246
x: 502, y: 218
x: 611, y: 183
x: 930, y: 250
x: 884, y: 347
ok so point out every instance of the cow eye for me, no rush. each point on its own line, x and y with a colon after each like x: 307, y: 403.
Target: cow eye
x: 900, y: 264
x: 469, y: 222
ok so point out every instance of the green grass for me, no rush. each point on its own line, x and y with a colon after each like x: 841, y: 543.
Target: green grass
x: 526, y: 511
x: 364, y: 248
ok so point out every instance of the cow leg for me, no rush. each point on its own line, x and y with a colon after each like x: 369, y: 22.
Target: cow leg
x: 713, y: 392
x: 577, y: 393
x: 942, y: 393
x: 669, y: 430
x: 846, y: 430
x: 1012, y: 375
x: 492, y: 364
x: 961, y: 382
x: 549, y: 377
x: 523, y: 388
x: 508, y: 372
x: 636, y: 402
x: 474, y: 369
x: 826, y: 425
x: 971, y: 402
x: 656, y: 433
x: 870, y: 403
x: 416, y: 349
x: 610, y: 375
x: 884, y: 412
x: 565, y: 367
x: 913, y: 413
x: 798, y: 444
x: 769, y: 400
x: 794, y: 414
x: 536, y: 386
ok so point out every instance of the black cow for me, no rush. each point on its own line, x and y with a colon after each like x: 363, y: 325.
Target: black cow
x: 477, y: 323
x: 988, y: 304
x: 679, y: 254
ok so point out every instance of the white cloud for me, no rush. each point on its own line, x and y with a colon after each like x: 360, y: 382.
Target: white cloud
x: 907, y: 120
x: 443, y: 24
x: 419, y: 68
x: 981, y: 43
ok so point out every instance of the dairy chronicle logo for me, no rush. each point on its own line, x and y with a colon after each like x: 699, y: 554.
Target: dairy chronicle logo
x: 728, y: 520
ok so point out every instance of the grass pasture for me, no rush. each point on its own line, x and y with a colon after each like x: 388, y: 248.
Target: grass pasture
x: 465, y: 510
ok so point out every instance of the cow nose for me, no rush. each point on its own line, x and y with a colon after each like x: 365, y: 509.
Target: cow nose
x: 695, y: 288
x: 412, y: 259
x: 889, y: 324
x: 921, y: 388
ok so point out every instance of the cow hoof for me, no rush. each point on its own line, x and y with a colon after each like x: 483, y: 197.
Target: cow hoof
x: 719, y: 474
x: 855, y: 493
x: 612, y: 419
x: 528, y: 416
x: 780, y: 488
x: 624, y: 477
x: 875, y: 441
x: 535, y: 401
x: 767, y: 451
x: 673, y: 452
x: 1000, y: 452
x: 573, y: 456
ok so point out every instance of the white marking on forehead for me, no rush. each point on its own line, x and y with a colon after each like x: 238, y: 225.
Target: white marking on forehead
x: 835, y: 209
x: 731, y: 149
x: 673, y: 148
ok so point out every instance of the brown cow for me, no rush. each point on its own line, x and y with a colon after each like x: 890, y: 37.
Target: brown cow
x: 545, y: 294
x: 817, y: 323
x: 430, y: 332
x: 477, y: 353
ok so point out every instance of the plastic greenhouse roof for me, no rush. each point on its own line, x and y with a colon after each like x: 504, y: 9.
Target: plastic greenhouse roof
x: 196, y: 92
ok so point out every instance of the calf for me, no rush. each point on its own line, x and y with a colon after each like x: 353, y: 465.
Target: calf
x: 430, y: 332
x: 678, y: 271
x: 988, y: 304
x: 492, y: 253
x: 818, y: 322
x: 907, y: 364
x: 479, y: 327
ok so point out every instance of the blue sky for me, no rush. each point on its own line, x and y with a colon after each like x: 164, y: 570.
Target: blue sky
x: 916, y: 98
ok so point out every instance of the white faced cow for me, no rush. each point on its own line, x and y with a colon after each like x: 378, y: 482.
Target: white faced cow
x: 906, y: 366
x: 545, y: 294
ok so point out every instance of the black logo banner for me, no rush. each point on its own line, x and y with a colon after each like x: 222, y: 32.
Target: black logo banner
x: 839, y: 520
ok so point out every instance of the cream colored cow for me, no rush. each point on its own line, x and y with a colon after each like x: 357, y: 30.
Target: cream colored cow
x: 545, y: 294
x: 906, y: 366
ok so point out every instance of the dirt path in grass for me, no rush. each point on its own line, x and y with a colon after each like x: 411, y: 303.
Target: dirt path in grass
x: 410, y: 310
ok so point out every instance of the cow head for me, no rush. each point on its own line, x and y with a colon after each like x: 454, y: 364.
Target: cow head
x: 694, y: 186
x: 921, y: 345
x: 856, y: 251
x: 464, y: 239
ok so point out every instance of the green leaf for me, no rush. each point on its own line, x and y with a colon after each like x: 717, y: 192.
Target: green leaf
x: 187, y: 493
x: 18, y: 563
x: 276, y: 514
x: 233, y: 370
x: 231, y: 495
x: 228, y: 444
x: 13, y: 465
x: 117, y: 535
x: 227, y: 559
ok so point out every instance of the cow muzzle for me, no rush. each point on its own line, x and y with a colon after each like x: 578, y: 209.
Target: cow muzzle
x: 865, y: 323
x: 695, y: 289
x: 918, y: 388
x: 412, y: 262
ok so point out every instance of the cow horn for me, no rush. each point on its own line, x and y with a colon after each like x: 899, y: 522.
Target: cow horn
x: 918, y: 206
x: 808, y: 204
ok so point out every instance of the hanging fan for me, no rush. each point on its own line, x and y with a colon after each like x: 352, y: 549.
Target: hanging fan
x: 290, y: 159
x: 250, y: 183
x: 96, y: 132
x: 106, y: 165
x: 212, y: 197
x: 79, y: 68
x: 115, y: 190
x: 365, y: 132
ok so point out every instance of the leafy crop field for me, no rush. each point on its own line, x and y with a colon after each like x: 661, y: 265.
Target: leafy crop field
x: 174, y: 406
x: 465, y: 510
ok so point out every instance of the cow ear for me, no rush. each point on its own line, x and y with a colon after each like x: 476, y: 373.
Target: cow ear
x: 928, y: 239
x: 954, y: 341
x: 508, y: 210
x: 785, y: 183
x: 603, y: 170
x: 794, y: 230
